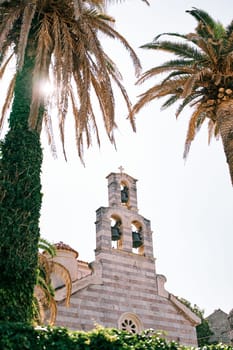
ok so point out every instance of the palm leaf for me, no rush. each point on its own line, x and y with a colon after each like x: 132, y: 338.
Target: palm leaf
x: 47, y: 247
x: 202, y: 65
x: 7, y: 102
x: 64, y: 37
x: 208, y: 27
x: 170, y: 101
x: 177, y: 35
x: 186, y: 101
x: 196, y: 119
x: 60, y: 270
x: 44, y: 291
x: 179, y: 49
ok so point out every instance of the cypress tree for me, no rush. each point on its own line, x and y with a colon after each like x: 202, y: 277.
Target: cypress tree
x: 20, y: 203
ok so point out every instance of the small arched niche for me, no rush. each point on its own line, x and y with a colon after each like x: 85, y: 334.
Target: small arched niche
x: 137, y: 237
x: 116, y: 231
x: 130, y: 322
x: 124, y: 193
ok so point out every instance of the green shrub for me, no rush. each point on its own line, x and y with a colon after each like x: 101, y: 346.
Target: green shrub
x: 20, y: 336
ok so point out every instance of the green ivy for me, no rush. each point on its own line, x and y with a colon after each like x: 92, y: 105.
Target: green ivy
x: 20, y: 203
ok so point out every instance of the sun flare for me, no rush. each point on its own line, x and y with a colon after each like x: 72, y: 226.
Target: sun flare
x: 46, y: 88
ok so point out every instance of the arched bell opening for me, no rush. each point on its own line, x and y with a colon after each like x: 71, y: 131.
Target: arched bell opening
x: 124, y: 193
x: 116, y: 231
x: 137, y: 238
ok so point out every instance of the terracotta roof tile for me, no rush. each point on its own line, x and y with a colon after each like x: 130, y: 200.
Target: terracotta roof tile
x: 64, y: 246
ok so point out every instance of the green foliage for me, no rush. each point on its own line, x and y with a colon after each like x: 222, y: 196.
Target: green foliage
x: 203, y: 333
x: 203, y: 329
x: 20, y: 203
x: 45, y: 245
x: 19, y: 336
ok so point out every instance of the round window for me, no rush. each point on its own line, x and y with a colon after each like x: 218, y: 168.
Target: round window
x: 130, y: 323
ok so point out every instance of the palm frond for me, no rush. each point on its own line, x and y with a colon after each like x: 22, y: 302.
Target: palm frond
x: 127, y: 101
x: 47, y: 247
x: 45, y: 300
x: 109, y: 31
x: 64, y: 39
x: 5, y: 64
x: 44, y: 290
x: 28, y: 14
x: 38, y: 309
x: 116, y: 1
x: 48, y: 125
x: 186, y: 101
x: 60, y: 270
x: 170, y: 101
x: 157, y: 91
x: 211, y: 129
x: 207, y: 25
x: 175, y: 74
x: 8, y: 19
x: 210, y: 50
x: 199, y: 76
x: 7, y: 102
x: 229, y: 28
x: 176, y: 71
x: 196, y: 120
x: 44, y: 268
x: 183, y: 50
x: 229, y: 63
x: 190, y: 83
x: 177, y: 35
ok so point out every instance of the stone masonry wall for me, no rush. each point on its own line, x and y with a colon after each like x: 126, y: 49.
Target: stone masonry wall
x: 127, y: 284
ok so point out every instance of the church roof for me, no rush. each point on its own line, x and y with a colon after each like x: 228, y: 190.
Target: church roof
x: 63, y: 246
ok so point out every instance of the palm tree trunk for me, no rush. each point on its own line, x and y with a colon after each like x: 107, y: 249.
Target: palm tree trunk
x: 20, y: 203
x: 225, y: 125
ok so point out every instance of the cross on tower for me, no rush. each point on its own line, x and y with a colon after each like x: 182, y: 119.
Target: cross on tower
x: 121, y: 169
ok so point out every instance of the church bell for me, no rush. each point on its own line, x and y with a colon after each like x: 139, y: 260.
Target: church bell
x: 125, y: 195
x: 137, y: 239
x: 116, y: 234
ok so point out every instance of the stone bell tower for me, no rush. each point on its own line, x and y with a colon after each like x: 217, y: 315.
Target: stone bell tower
x: 119, y: 226
x: 122, y: 288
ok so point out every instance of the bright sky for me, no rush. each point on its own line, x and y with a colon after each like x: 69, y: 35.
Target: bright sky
x: 189, y: 204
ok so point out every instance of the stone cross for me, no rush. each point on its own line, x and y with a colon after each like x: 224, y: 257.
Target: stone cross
x: 121, y: 169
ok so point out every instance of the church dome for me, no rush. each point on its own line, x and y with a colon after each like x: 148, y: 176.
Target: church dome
x: 63, y: 246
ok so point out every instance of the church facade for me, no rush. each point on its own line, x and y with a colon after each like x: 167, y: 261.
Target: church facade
x: 121, y: 288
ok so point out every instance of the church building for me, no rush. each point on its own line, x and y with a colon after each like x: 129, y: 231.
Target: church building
x: 121, y: 288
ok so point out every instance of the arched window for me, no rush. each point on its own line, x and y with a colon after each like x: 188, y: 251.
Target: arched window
x: 124, y: 193
x: 137, y: 237
x: 130, y: 322
x: 116, y: 231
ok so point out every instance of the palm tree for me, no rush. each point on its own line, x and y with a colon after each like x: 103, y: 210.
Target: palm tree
x: 200, y: 76
x: 56, y: 40
x: 44, y: 291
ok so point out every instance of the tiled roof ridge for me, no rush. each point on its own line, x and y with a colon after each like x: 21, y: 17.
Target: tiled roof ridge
x: 64, y: 246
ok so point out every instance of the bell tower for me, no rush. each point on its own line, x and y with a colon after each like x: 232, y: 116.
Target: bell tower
x: 120, y: 227
x: 122, y: 190
x: 120, y: 287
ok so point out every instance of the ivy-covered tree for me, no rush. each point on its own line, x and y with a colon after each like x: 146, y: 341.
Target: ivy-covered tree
x: 58, y: 39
